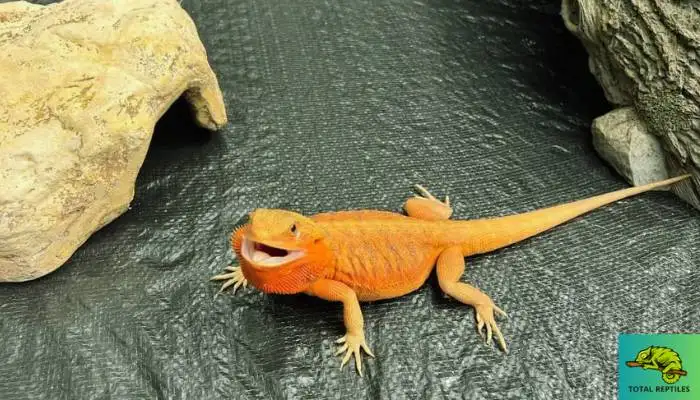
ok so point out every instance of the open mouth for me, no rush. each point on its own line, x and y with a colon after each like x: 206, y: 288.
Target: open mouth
x: 268, y: 256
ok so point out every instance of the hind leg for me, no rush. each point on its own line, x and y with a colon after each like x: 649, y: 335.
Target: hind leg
x: 427, y: 207
x: 450, y: 267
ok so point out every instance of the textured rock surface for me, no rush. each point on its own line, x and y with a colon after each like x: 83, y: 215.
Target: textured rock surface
x: 83, y: 83
x: 646, y: 55
x: 622, y: 140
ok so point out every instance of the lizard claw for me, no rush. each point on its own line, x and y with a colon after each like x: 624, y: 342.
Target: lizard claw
x: 485, y: 318
x: 425, y: 194
x: 351, y: 345
x: 234, y: 277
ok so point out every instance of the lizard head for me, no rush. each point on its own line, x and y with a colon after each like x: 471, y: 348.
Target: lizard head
x: 280, y: 251
x: 645, y: 356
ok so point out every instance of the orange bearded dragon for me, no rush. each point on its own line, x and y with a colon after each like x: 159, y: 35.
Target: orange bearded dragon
x: 366, y: 255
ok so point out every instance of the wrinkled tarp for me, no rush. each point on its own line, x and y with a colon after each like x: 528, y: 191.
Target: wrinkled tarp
x: 337, y: 105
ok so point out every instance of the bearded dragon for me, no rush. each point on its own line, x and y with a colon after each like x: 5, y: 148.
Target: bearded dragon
x: 367, y: 255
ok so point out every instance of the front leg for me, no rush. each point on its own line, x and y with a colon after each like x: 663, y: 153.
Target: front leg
x: 652, y: 365
x: 354, y: 338
x: 235, y: 276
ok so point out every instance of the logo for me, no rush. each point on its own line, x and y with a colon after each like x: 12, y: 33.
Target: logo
x: 662, y: 359
x: 659, y: 366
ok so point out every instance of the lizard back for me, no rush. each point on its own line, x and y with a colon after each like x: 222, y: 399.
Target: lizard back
x: 380, y: 254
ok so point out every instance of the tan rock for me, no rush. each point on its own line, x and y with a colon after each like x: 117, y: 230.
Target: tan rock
x: 82, y: 85
x: 623, y: 141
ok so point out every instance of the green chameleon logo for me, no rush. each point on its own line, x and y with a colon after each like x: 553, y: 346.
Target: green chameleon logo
x: 661, y: 359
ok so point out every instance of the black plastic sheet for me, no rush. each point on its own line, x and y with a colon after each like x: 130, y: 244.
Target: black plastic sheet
x: 337, y: 105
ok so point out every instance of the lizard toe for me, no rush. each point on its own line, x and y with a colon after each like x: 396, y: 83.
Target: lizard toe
x: 352, y: 346
x: 235, y: 277
x: 485, y: 319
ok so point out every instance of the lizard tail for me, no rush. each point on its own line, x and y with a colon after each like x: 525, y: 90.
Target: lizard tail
x: 670, y: 378
x: 490, y: 234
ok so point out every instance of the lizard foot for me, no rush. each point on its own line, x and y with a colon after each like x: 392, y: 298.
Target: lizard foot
x: 234, y: 277
x: 352, y: 343
x: 427, y: 195
x: 485, y: 318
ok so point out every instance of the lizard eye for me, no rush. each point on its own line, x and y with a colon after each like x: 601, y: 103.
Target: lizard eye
x: 293, y: 228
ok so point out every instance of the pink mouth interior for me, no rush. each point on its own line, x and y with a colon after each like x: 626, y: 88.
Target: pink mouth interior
x: 268, y: 256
